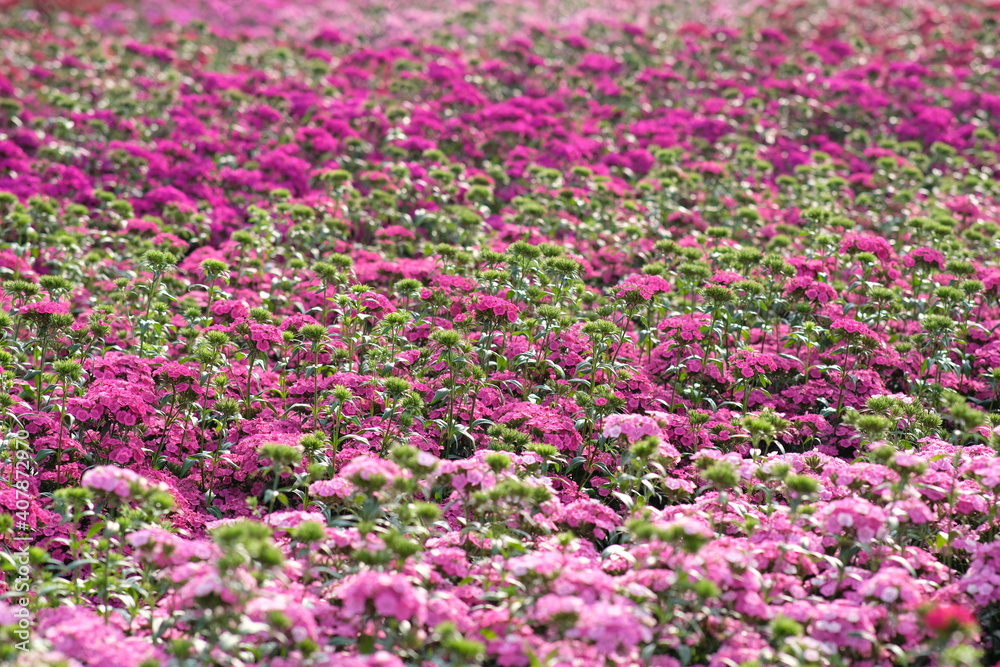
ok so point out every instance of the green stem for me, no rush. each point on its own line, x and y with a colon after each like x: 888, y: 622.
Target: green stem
x: 62, y: 416
x: 145, y: 316
x: 253, y: 358
x: 41, y: 369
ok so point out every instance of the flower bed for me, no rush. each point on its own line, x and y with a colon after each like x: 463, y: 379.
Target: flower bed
x: 503, y: 335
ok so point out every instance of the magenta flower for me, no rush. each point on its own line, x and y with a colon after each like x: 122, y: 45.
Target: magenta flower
x: 633, y: 427
x: 852, y: 517
x: 876, y: 245
x: 925, y: 258
x: 805, y: 287
x: 112, y: 480
x: 493, y: 308
x: 386, y: 594
x: 646, y: 287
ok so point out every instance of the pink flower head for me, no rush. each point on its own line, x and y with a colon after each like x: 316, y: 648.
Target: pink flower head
x: 371, y: 473
x: 854, y: 330
x: 390, y: 595
x: 852, y: 517
x: 112, y: 480
x: 948, y: 618
x: 338, y: 487
x: 925, y: 258
x: 644, y: 286
x: 45, y: 308
x: 804, y: 287
x: 261, y: 336
x: 493, y: 308
x: 633, y: 427
x: 752, y: 364
x: 394, y: 232
x: 876, y: 245
x: 372, y: 302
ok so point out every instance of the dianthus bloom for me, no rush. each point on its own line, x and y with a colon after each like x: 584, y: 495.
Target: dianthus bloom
x: 41, y: 308
x: 395, y: 232
x: 371, y: 473
x: 543, y: 423
x: 163, y: 548
x: 375, y: 304
x: 40, y: 313
x: 725, y: 277
x: 852, y: 517
x: 492, y: 308
x: 610, y: 626
x: 633, y: 427
x: 112, y: 479
x: 588, y: 513
x: 925, y: 258
x: 261, y: 336
x: 642, y: 286
x: 391, y: 595
x: 178, y: 376
x: 203, y: 583
x: 892, y: 585
x: 337, y: 487
x: 119, y: 400
x: 852, y: 329
x: 80, y: 636
x: 292, y: 518
x: 805, y: 287
x: 751, y: 364
x: 876, y: 245
x: 982, y: 581
x: 686, y: 328
x: 948, y: 618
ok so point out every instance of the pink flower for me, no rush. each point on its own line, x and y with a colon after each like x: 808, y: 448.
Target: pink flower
x: 201, y: 583
x: 338, y: 487
x: 112, y: 480
x: 633, y: 427
x: 854, y: 330
x: 371, y: 302
x: 43, y: 309
x: 645, y: 286
x: 948, y: 618
x: 925, y: 258
x: 394, y: 232
x: 370, y: 473
x: 852, y: 518
x: 589, y: 514
x: 876, y: 245
x: 804, y: 287
x: 261, y: 336
x: 493, y: 308
x: 752, y: 364
x: 390, y: 595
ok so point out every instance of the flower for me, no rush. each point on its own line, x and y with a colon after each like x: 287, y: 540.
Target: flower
x: 261, y: 336
x: 645, y: 287
x: 852, y: 518
x: 370, y: 473
x: 925, y: 258
x: 947, y: 618
x: 112, y: 480
x: 876, y: 245
x: 633, y: 427
x: 804, y: 287
x: 390, y: 595
x: 491, y: 309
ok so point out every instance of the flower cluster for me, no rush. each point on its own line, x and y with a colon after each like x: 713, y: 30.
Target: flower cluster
x: 512, y: 333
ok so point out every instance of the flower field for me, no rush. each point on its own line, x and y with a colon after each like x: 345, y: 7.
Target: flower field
x: 517, y: 334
